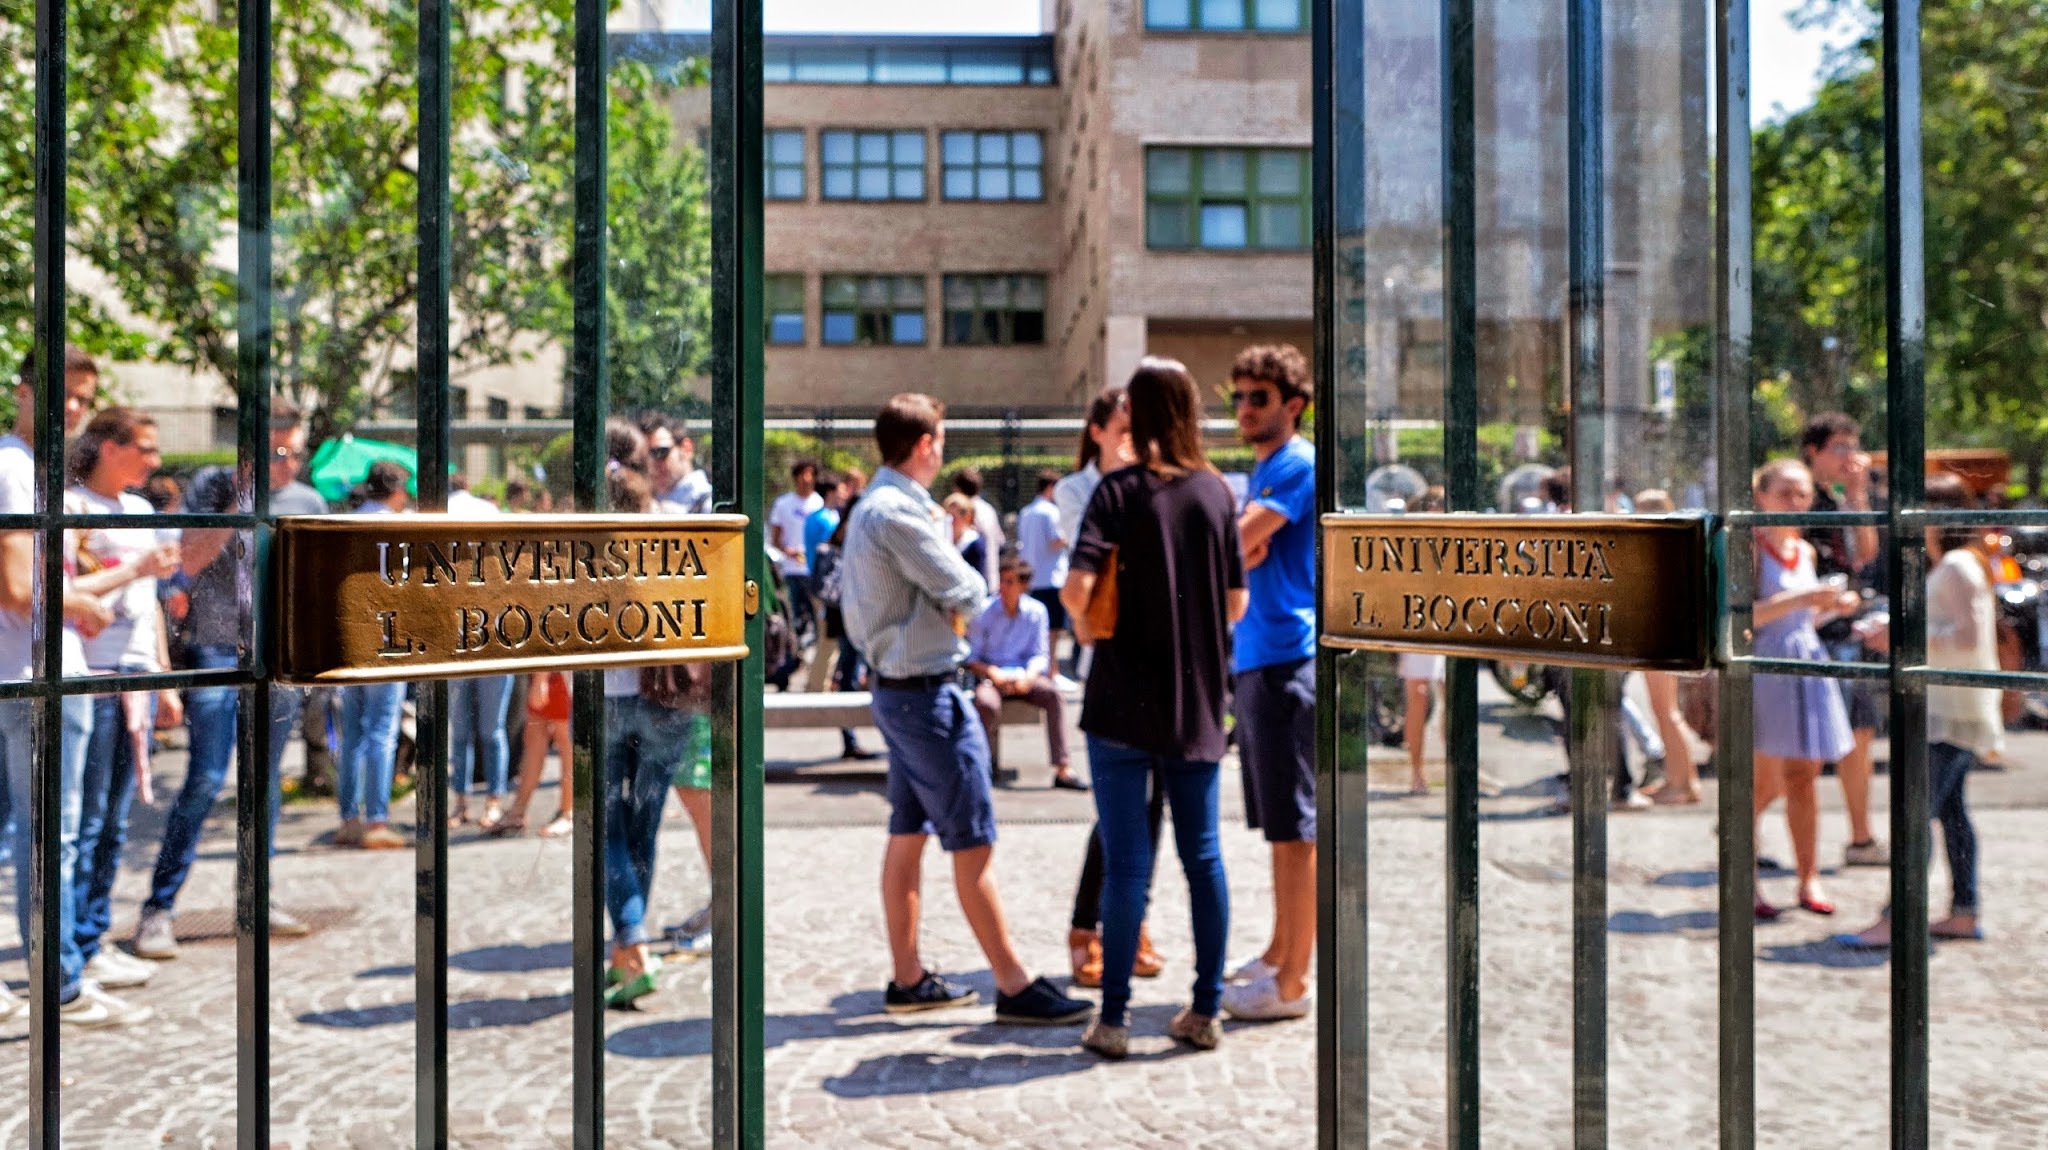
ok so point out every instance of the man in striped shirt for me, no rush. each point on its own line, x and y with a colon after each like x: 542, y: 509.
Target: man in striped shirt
x: 907, y: 596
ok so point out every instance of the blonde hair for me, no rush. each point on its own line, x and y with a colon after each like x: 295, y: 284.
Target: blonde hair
x: 1655, y: 501
x: 958, y: 504
x: 1770, y: 473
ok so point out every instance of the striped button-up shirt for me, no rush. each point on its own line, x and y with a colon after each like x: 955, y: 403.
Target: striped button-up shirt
x: 902, y: 581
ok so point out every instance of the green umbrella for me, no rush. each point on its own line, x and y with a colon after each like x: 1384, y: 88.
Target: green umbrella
x: 340, y: 464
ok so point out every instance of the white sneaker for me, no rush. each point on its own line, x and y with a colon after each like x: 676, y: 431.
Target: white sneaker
x: 95, y: 1009
x: 1252, y: 971
x: 11, y: 1007
x: 116, y: 971
x: 1872, y: 853
x: 1261, y: 1002
x: 154, y: 938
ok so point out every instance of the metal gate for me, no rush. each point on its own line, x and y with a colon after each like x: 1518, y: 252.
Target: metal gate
x: 735, y: 179
x: 1379, y: 175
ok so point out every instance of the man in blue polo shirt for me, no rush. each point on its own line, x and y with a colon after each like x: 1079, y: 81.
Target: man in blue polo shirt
x: 1274, y: 676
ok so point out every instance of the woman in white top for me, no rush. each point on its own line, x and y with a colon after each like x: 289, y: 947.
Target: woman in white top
x: 1107, y: 438
x: 119, y: 566
x: 1964, y: 724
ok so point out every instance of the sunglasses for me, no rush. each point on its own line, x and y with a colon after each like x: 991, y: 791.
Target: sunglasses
x: 1257, y: 399
x: 659, y: 452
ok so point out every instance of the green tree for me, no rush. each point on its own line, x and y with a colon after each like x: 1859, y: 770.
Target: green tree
x: 1820, y: 232
x: 154, y: 196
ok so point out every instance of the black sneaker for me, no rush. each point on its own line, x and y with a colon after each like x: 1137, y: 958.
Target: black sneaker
x: 1041, y: 1005
x: 931, y: 993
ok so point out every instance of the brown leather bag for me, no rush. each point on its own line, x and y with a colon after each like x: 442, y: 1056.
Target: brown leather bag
x: 1102, y: 600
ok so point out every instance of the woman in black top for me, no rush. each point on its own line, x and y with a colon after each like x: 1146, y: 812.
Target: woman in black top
x: 1156, y: 697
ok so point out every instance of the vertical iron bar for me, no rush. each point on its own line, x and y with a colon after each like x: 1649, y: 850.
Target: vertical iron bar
x: 430, y: 837
x: 46, y: 798
x: 1338, y: 47
x: 1735, y: 789
x: 1460, y: 134
x: 1594, y: 693
x: 589, y: 402
x: 253, y: 786
x: 1906, y: 561
x: 738, y: 1112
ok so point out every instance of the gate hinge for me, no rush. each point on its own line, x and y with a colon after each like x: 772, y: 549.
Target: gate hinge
x: 752, y: 599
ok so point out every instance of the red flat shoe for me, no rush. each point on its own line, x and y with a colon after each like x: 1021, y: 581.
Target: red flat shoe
x: 1815, y: 905
x: 1765, y: 912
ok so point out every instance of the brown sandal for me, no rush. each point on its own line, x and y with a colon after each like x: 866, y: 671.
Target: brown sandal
x: 1084, y: 948
x: 1149, y: 962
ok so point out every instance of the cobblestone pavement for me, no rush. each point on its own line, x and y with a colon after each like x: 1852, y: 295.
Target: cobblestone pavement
x: 841, y: 1073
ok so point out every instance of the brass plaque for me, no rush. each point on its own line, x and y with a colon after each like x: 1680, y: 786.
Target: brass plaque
x: 381, y: 598
x: 1581, y: 590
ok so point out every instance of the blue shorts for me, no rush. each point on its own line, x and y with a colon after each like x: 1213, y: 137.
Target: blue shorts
x: 1276, y: 749
x: 938, y: 766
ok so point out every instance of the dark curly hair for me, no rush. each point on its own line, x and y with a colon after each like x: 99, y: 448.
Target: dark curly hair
x: 1280, y: 364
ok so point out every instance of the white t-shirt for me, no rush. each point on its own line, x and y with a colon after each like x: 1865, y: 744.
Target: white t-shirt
x: 472, y: 506
x: 789, y: 512
x: 692, y: 493
x: 17, y: 632
x: 131, y: 639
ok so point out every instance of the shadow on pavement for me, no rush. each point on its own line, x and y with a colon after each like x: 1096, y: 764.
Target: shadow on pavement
x: 474, y: 1014
x: 1824, y: 952
x: 1644, y: 922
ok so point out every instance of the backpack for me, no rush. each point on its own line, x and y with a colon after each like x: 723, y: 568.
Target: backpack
x: 826, y: 581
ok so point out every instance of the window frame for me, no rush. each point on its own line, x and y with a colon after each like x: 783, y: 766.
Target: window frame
x: 769, y: 168
x: 1249, y: 27
x: 981, y: 318
x: 770, y: 311
x: 976, y: 166
x: 874, y: 326
x: 1195, y: 198
x: 891, y: 167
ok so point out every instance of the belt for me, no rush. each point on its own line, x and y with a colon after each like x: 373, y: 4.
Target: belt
x: 915, y: 682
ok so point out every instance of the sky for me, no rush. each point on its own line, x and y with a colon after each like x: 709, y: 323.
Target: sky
x: 1784, y: 63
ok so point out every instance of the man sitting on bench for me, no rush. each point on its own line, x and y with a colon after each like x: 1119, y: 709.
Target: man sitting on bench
x: 1010, y: 654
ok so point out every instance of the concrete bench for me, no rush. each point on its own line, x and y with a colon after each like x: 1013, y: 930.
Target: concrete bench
x: 822, y: 710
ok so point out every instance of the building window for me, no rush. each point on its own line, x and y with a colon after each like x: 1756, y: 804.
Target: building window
x: 998, y: 309
x: 1226, y: 198
x: 783, y: 164
x: 533, y: 412
x: 872, y: 165
x: 497, y: 408
x: 785, y: 309
x: 1227, y: 15
x: 869, y: 311
x: 993, y: 165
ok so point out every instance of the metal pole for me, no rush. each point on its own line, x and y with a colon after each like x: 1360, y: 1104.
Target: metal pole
x: 1342, y: 1069
x: 1461, y: 471
x: 738, y: 1114
x: 254, y: 790
x: 46, y: 798
x: 1594, y: 693
x: 430, y: 838
x: 1905, y: 369
x: 589, y: 403
x: 1735, y: 789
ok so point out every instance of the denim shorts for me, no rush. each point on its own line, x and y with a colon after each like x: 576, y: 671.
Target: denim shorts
x: 1276, y: 749
x: 938, y: 766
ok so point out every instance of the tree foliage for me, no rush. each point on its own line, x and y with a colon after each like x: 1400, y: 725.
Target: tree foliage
x: 153, y: 193
x: 1819, y: 201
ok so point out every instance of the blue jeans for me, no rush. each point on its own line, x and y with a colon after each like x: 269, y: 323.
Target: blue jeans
x: 369, y: 750
x: 106, y: 792
x: 1122, y: 776
x: 212, y: 720
x: 18, y: 747
x: 642, y: 745
x: 1948, y: 773
x: 476, y: 720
